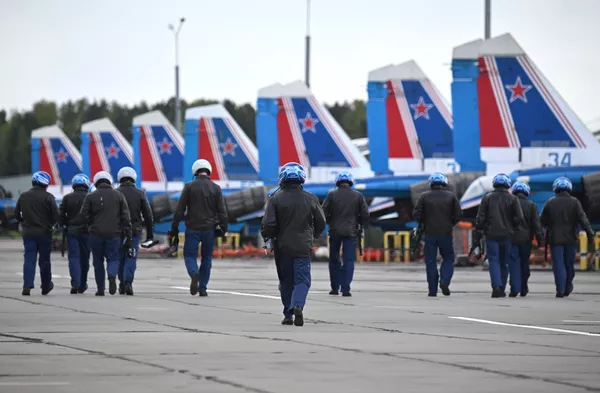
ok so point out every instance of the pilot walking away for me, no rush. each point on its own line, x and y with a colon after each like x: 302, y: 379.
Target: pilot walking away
x: 140, y: 213
x: 37, y: 212
x: 295, y: 218
x: 107, y: 215
x: 206, y: 218
x: 561, y: 216
x: 438, y: 211
x: 77, y: 233
x: 347, y: 214
x: 498, y: 218
x: 521, y: 245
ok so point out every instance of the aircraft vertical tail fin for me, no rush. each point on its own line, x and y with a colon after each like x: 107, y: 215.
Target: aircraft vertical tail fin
x: 307, y: 133
x: 104, y: 148
x: 524, y: 121
x: 213, y: 134
x: 408, y: 121
x: 159, y: 151
x: 53, y: 152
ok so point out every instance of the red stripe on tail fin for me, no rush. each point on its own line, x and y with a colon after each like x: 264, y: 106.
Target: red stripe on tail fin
x: 45, y: 162
x: 287, y: 147
x: 149, y: 171
x: 398, y: 144
x: 205, y: 150
x: 492, y: 131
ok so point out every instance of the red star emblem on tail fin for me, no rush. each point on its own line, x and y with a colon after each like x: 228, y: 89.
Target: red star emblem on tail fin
x: 112, y: 151
x: 308, y: 123
x: 421, y: 109
x: 164, y: 146
x: 518, y: 90
x: 229, y: 147
x: 61, y: 156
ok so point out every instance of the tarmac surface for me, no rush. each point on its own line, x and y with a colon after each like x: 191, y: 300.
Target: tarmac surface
x: 388, y: 337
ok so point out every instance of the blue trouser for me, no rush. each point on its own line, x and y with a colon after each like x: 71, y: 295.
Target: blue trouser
x: 444, y: 243
x: 34, y: 246
x: 295, y: 283
x: 519, y: 268
x: 127, y: 265
x: 190, y: 254
x: 563, y: 266
x: 105, y: 248
x: 499, y: 254
x: 341, y: 275
x: 79, y: 259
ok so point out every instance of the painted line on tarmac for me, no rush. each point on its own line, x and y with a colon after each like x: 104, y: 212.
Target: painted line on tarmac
x: 34, y: 383
x: 236, y: 293
x: 578, y: 321
x: 527, y: 326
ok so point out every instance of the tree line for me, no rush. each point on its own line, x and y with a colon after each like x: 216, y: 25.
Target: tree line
x: 16, y: 127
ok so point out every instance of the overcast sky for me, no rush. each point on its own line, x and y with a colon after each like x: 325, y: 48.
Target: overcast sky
x: 122, y: 50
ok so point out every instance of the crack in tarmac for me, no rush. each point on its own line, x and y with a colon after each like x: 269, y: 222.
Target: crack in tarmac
x: 140, y: 362
x: 344, y: 349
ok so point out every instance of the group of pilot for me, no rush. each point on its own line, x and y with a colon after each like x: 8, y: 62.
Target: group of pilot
x: 108, y: 222
x: 508, y: 222
x: 95, y: 218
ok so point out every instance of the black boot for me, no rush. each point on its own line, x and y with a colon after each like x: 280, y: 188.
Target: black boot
x: 82, y: 288
x: 497, y: 292
x: 298, y: 316
x: 560, y: 294
x: 445, y: 289
x: 346, y: 294
x: 74, y: 290
x: 194, y: 284
x: 121, y: 288
x: 524, y: 292
x: 128, y: 288
x: 334, y: 292
x: 112, y: 285
x: 513, y: 294
x: 26, y: 291
x: 287, y: 321
x: 569, y: 290
x: 99, y: 293
x: 49, y: 289
x: 203, y: 293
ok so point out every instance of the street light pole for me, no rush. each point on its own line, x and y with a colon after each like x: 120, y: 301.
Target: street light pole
x: 177, y: 99
x: 488, y: 19
x: 307, y: 53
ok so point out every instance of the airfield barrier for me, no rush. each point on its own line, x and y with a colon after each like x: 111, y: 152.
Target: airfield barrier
x: 398, y: 248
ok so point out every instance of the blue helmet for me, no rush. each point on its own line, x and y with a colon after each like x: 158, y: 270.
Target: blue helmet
x: 42, y: 178
x: 501, y: 180
x: 344, y: 177
x: 292, y: 172
x: 521, y: 187
x: 81, y: 180
x: 562, y: 184
x: 437, y: 179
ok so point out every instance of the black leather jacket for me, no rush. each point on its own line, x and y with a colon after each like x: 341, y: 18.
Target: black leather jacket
x: 530, y: 225
x: 561, y: 216
x: 205, y: 206
x: 499, y: 215
x: 438, y: 210
x: 70, y: 208
x: 106, y: 213
x: 345, y: 209
x: 37, y: 212
x: 295, y: 218
x: 139, y: 209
